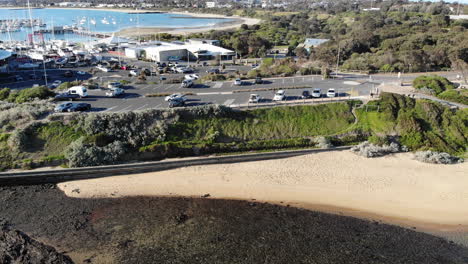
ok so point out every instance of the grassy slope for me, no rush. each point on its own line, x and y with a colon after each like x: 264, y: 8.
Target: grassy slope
x: 418, y: 124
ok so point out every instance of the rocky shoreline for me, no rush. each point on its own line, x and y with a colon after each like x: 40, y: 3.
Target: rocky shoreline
x: 204, y: 230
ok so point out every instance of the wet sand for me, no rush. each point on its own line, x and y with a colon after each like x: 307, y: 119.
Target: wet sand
x: 395, y: 189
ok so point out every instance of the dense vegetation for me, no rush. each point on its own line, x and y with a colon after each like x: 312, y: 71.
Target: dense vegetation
x: 442, y: 88
x: 400, y: 37
x: 106, y: 138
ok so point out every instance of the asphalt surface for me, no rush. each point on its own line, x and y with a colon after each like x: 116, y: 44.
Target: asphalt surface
x: 226, y: 93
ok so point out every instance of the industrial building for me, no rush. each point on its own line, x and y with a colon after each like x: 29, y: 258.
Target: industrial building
x: 174, y: 51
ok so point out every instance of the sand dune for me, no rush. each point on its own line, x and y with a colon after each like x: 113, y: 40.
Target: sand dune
x: 394, y: 188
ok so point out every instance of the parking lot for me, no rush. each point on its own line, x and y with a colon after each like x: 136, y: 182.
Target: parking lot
x: 225, y: 93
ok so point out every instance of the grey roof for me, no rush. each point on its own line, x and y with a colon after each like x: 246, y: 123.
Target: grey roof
x: 311, y: 42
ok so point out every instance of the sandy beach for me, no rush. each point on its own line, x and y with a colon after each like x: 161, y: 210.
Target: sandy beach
x: 395, y: 189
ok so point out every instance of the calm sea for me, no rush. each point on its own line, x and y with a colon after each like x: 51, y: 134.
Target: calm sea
x: 98, y: 21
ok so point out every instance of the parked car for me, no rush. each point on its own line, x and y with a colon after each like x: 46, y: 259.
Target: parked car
x: 177, y: 102
x: 66, y: 97
x: 63, y: 107
x: 79, y: 107
x: 68, y: 74
x: 79, y: 90
x: 80, y: 72
x: 331, y: 93
x: 133, y: 73
x: 306, y: 95
x: 115, y: 92
x: 215, y: 71
x: 162, y: 78
x: 316, y: 93
x: 18, y: 78
x: 187, y: 83
x: 258, y: 80
x: 175, y: 96
x: 55, y: 84
x: 191, y: 77
x: 238, y: 82
x: 112, y: 85
x: 255, y: 98
x: 279, y: 95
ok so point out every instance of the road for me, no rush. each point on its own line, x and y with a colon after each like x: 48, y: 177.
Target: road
x: 226, y: 93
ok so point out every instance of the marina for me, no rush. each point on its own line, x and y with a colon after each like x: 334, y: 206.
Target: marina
x: 81, y: 24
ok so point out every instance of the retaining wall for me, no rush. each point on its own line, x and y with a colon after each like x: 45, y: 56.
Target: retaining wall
x: 61, y: 175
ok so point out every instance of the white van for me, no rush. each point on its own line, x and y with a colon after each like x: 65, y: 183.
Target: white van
x: 79, y: 90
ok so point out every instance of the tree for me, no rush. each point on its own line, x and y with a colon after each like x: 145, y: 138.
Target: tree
x: 301, y: 52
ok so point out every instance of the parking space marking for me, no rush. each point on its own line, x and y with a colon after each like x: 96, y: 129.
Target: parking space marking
x: 109, y: 109
x: 229, y: 102
x: 141, y: 107
x: 124, y: 109
x: 218, y: 85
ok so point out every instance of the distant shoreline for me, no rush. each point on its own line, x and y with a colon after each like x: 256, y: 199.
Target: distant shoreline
x: 236, y: 22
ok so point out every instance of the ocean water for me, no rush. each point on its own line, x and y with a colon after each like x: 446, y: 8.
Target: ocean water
x: 116, y: 21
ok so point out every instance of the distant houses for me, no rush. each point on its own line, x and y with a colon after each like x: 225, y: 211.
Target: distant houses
x: 311, y: 43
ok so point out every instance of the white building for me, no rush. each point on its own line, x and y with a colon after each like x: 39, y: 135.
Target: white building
x: 210, y: 4
x: 170, y: 51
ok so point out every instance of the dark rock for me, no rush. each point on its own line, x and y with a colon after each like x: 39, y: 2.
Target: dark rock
x: 17, y: 247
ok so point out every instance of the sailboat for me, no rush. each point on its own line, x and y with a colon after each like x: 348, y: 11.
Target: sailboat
x: 92, y: 21
x: 104, y: 21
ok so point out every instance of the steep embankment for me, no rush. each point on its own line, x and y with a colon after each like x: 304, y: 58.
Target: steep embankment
x: 106, y: 138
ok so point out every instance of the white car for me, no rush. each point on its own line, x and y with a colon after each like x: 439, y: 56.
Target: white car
x: 115, y: 92
x: 187, y: 83
x: 133, y: 73
x: 238, y: 82
x: 331, y: 93
x: 191, y: 77
x: 279, y: 95
x: 316, y: 93
x: 80, y: 72
x: 55, y: 84
x: 175, y: 96
x: 255, y: 98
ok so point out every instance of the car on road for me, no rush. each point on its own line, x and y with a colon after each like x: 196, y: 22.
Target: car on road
x: 55, y: 84
x: 331, y: 93
x: 80, y: 72
x: 280, y: 95
x: 78, y: 107
x: 306, y: 94
x: 112, y: 85
x: 238, y: 82
x: 68, y: 74
x: 115, y: 92
x: 63, y: 107
x: 258, y: 80
x: 175, y: 96
x: 214, y: 71
x: 18, y: 78
x: 177, y: 102
x: 255, y: 98
x: 66, y: 97
x: 317, y: 93
x: 187, y: 83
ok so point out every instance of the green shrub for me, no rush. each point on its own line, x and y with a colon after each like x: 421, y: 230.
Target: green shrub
x: 29, y: 94
x: 437, y: 84
x: 4, y: 93
x: 67, y: 85
x: 455, y: 96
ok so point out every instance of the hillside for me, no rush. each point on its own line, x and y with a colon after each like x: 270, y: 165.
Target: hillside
x: 106, y: 138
